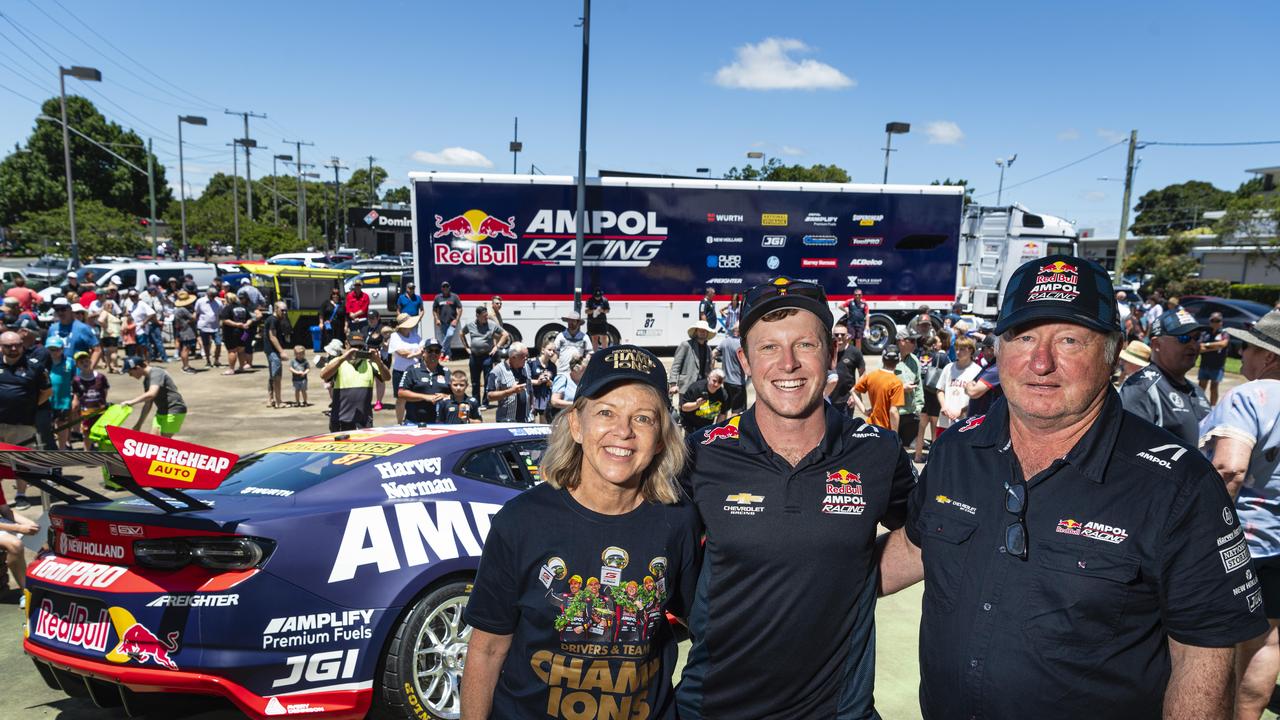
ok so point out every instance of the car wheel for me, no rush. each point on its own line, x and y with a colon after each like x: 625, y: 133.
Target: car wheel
x: 422, y: 671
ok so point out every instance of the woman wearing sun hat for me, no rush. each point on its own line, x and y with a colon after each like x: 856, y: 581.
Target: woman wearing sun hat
x: 581, y: 570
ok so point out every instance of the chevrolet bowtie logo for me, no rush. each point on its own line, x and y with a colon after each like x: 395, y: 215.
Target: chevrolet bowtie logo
x: 744, y: 498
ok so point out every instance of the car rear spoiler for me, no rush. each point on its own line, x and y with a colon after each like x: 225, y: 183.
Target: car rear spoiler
x: 147, y: 477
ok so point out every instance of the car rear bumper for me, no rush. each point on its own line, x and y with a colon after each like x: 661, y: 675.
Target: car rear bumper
x: 110, y: 685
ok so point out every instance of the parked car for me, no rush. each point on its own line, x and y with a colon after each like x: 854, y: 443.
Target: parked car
x: 48, y: 270
x: 8, y: 275
x: 1239, y: 314
x: 325, y: 576
x: 134, y: 275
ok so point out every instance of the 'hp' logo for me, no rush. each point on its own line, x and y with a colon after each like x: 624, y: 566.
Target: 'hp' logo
x: 371, y: 218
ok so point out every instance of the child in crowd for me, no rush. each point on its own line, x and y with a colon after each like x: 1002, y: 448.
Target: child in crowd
x: 460, y: 408
x: 60, y: 371
x: 299, y: 367
x: 128, y: 335
x: 88, y: 394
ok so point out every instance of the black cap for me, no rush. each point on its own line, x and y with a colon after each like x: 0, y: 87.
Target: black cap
x: 1175, y: 322
x: 1059, y: 287
x: 131, y: 362
x: 622, y: 363
x: 783, y: 292
x: 890, y: 352
x: 431, y: 342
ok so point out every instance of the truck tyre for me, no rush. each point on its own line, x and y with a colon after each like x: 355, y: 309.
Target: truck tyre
x: 547, y: 334
x: 514, y: 333
x: 422, y: 672
x: 615, y: 337
x: 880, y: 332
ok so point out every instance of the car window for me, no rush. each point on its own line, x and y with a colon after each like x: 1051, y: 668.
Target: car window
x: 283, y: 473
x: 312, y: 292
x: 527, y: 458
x: 126, y: 278
x: 489, y: 465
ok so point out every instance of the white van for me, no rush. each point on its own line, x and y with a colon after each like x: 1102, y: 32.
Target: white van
x: 305, y: 259
x: 135, y: 274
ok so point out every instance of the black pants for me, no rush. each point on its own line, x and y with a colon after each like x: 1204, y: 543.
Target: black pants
x: 481, y: 364
x: 737, y: 397
x: 908, y: 426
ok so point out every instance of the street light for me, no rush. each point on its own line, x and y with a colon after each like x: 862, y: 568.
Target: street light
x: 182, y: 186
x: 757, y: 155
x: 87, y: 74
x: 275, y: 196
x: 891, y: 129
x: 1003, y: 163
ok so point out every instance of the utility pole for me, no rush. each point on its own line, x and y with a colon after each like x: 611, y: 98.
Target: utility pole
x: 516, y: 146
x: 151, y: 189
x: 1124, y: 211
x: 373, y: 189
x: 235, y: 195
x: 337, y: 220
x: 578, y: 225
x: 248, y: 171
x: 302, y: 191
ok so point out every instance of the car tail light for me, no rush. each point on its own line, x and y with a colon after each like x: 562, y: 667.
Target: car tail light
x: 214, y: 553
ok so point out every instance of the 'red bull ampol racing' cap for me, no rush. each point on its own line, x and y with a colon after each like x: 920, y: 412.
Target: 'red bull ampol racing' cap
x: 1063, y: 288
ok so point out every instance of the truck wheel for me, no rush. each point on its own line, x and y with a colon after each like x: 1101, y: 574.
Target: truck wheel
x: 615, y: 337
x: 513, y: 332
x: 879, y: 333
x: 422, y: 672
x: 547, y: 334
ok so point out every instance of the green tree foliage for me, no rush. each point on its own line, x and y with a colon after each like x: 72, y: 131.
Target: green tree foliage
x: 357, y: 186
x: 968, y: 189
x: 32, y: 178
x: 1252, y: 222
x: 397, y: 195
x: 100, y: 230
x: 1177, y: 208
x: 1168, y: 260
x: 1252, y: 186
x: 775, y: 171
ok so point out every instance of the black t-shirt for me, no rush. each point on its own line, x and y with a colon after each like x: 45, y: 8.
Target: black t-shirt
x: 20, y: 387
x: 420, y: 379
x: 850, y: 365
x: 1132, y: 540
x: 1214, y: 359
x: 447, y: 308
x: 710, y: 407
x: 707, y: 311
x: 273, y: 326
x: 584, y: 597
x: 39, y: 355
x: 594, y: 321
x: 453, y: 411
x: 1175, y: 406
x: 857, y: 314
x: 783, y: 620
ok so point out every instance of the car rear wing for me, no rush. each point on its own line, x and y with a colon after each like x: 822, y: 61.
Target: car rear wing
x: 155, y: 469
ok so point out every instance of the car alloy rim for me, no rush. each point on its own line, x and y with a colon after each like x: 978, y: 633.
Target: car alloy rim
x: 440, y: 654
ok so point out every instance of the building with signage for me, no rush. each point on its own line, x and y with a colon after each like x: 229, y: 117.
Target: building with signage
x: 385, y: 230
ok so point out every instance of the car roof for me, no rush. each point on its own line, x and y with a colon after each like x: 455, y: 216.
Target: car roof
x: 388, y: 441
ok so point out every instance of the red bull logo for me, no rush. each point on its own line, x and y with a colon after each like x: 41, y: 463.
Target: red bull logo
x: 1059, y: 267
x: 138, y: 644
x: 475, y: 226
x: 972, y: 423
x: 1069, y: 526
x: 843, y: 477
x: 728, y: 431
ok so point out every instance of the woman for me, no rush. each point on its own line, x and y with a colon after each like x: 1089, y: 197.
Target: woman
x: 376, y: 342
x: 931, y: 357
x: 111, y: 320
x: 333, y: 318
x: 693, y: 358
x: 542, y: 374
x: 184, y: 327
x: 564, y: 388
x: 597, y: 307
x: 607, y: 512
x: 731, y: 313
x: 953, y: 399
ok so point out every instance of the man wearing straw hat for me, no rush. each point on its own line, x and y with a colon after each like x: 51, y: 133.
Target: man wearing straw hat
x: 571, y: 337
x: 1242, y: 438
x: 692, y: 361
x: 1135, y: 356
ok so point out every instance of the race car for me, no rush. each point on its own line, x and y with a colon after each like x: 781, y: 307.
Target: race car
x: 323, y: 576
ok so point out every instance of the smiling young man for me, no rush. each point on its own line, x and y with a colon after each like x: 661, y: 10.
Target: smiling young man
x: 1077, y: 559
x: 790, y: 493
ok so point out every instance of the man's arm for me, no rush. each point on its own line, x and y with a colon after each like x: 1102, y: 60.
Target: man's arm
x: 1231, y: 460
x: 900, y: 563
x: 976, y: 389
x: 1200, y: 684
x: 331, y: 368
x: 383, y: 373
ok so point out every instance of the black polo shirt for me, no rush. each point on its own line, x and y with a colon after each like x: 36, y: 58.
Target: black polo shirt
x: 421, y: 379
x: 783, y: 616
x: 1132, y: 540
x: 1175, y: 405
x: 20, y: 386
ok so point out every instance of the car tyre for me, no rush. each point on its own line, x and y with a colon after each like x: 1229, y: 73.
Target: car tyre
x: 422, y: 671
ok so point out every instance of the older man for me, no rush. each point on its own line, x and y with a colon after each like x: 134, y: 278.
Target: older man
x: 1162, y: 394
x: 508, y: 385
x: 1077, y: 559
x: 1242, y: 438
x: 791, y: 493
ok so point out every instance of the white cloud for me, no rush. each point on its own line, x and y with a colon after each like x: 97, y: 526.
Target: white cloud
x: 792, y: 150
x: 769, y: 65
x: 1111, y: 135
x: 454, y: 156
x: 943, y: 132
x: 1068, y: 135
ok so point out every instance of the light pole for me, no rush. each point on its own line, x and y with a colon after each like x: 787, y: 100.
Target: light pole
x: 87, y: 74
x: 303, y: 185
x: 182, y: 185
x: 1003, y: 163
x: 275, y: 196
x: 516, y: 146
x: 891, y: 129
x: 757, y: 155
x: 581, y: 221
x: 235, y: 194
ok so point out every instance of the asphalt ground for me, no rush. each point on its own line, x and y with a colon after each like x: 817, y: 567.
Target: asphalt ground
x: 231, y: 413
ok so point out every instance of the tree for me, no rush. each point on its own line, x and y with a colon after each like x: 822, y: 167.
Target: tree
x: 100, y: 230
x: 1250, y: 224
x: 1168, y: 260
x: 33, y: 178
x: 397, y: 195
x: 358, y: 186
x: 775, y: 171
x: 1177, y: 208
x: 1252, y: 186
x: 968, y: 190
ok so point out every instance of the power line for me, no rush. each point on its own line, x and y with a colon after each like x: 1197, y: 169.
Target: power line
x: 24, y: 34
x: 28, y: 55
x: 15, y: 92
x: 1145, y: 143
x: 20, y: 74
x: 1059, y: 169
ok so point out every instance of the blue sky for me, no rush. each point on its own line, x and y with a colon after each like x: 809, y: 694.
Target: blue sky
x: 680, y: 85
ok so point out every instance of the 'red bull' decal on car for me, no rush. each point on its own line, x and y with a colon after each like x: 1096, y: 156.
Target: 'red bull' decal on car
x: 77, y: 626
x: 138, y: 644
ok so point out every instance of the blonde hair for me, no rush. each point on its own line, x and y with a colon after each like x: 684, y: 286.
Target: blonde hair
x: 561, y: 465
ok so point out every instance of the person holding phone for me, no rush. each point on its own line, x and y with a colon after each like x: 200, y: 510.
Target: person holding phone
x: 509, y: 386
x: 353, y: 374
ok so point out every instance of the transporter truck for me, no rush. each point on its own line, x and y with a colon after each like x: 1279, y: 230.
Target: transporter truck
x: 653, y: 245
